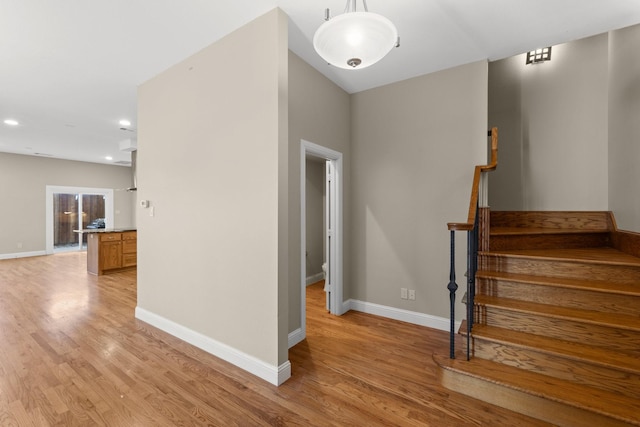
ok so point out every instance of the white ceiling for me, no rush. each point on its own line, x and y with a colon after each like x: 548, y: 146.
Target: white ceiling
x: 69, y: 69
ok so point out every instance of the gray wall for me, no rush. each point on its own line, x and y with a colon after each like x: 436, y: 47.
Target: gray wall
x: 624, y: 127
x: 569, y: 128
x: 409, y: 152
x: 212, y: 161
x: 315, y: 193
x: 415, y: 145
x: 318, y: 113
x: 552, y: 121
x: 23, y: 181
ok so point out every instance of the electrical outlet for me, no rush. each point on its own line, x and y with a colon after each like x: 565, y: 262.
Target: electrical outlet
x: 412, y: 294
x: 403, y: 293
x: 19, y: 245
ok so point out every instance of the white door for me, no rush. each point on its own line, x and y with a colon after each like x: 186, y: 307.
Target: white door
x: 329, y: 226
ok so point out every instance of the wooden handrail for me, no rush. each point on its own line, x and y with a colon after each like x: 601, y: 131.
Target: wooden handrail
x: 473, y: 203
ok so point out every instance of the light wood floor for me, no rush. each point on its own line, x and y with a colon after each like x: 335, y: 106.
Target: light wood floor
x: 72, y: 353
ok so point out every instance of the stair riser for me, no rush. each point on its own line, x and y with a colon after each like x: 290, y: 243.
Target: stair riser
x: 551, y: 219
x: 518, y: 401
x: 561, y: 269
x: 575, y: 298
x: 627, y: 242
x: 570, y: 330
x: 576, y: 371
x: 548, y: 241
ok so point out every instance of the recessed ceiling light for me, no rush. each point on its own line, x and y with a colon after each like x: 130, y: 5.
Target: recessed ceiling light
x: 125, y: 122
x: 109, y: 158
x: 11, y: 122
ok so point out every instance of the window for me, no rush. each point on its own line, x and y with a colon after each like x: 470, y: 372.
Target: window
x: 75, y: 208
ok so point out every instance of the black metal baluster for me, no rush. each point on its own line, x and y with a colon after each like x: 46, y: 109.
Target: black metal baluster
x: 474, y: 269
x: 469, y: 274
x: 453, y: 287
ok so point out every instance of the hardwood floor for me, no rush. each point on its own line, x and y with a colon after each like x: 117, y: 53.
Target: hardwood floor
x: 72, y: 353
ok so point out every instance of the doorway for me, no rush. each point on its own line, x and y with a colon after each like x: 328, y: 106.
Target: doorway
x: 75, y: 208
x: 332, y: 228
x: 316, y: 214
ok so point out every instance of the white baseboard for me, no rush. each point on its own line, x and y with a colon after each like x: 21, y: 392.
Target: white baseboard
x: 274, y: 374
x: 414, y: 317
x: 22, y: 255
x: 315, y: 278
x: 296, y: 337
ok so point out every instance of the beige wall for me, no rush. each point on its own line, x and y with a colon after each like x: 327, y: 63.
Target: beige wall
x: 552, y: 120
x: 315, y: 178
x: 569, y: 128
x: 318, y: 113
x: 505, y: 112
x: 415, y: 145
x: 212, y: 138
x: 624, y: 127
x: 23, y: 181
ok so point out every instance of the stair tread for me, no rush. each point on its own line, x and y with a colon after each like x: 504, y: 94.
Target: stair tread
x: 611, y: 404
x: 583, y: 284
x: 622, y: 321
x: 568, y: 349
x: 517, y: 231
x: 601, y: 255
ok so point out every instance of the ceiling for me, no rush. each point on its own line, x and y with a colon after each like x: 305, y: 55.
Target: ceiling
x: 69, y: 69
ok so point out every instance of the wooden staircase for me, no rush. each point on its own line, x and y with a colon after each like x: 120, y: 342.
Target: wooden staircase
x: 557, y: 320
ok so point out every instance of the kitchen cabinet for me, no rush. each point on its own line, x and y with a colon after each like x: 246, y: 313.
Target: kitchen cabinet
x: 109, y: 251
x: 129, y: 249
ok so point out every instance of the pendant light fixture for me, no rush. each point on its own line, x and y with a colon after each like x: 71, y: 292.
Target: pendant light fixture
x: 355, y: 40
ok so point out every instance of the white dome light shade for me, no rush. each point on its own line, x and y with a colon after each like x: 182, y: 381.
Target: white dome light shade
x: 355, y: 39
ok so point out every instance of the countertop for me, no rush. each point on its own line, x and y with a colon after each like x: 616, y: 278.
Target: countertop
x: 104, y: 230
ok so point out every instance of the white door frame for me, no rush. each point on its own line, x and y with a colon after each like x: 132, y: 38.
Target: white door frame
x: 52, y: 189
x: 311, y: 149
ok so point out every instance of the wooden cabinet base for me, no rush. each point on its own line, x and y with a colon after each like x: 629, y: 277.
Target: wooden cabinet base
x: 111, y: 252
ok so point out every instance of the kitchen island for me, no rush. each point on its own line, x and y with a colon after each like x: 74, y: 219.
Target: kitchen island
x: 110, y: 250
